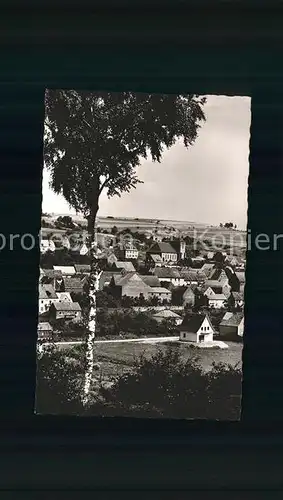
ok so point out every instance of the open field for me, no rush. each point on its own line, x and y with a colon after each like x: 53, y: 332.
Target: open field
x: 117, y: 359
x: 216, y: 235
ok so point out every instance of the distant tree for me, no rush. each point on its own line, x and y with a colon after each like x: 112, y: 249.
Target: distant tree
x: 95, y: 140
x: 220, y: 225
x: 219, y: 257
x: 201, y: 301
x: 114, y: 230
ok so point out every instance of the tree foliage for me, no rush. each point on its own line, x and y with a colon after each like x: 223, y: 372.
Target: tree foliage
x: 161, y: 386
x: 94, y: 140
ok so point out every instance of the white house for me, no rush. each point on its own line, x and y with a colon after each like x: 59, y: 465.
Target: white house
x: 217, y: 301
x: 164, y: 250
x: 196, y: 328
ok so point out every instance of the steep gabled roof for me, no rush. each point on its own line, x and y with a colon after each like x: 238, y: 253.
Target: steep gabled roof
x: 215, y: 274
x: 151, y: 280
x: 156, y: 258
x: 128, y: 266
x: 192, y: 323
x: 162, y: 247
x: 106, y: 277
x: 188, y: 292
x: 46, y: 292
x: 232, y: 319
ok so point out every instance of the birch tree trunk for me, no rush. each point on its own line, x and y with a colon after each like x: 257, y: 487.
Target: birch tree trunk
x: 93, y: 288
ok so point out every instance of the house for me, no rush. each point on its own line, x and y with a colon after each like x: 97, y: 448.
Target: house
x: 217, y: 301
x: 106, y: 277
x: 231, y: 260
x: 236, y: 299
x: 211, y: 292
x: 54, y: 278
x: 165, y: 250
x: 128, y: 251
x: 232, y: 326
x: 65, y: 270
x: 153, y: 261
x: 111, y: 259
x: 47, y: 297
x: 129, y: 284
x: 124, y: 265
x: 82, y: 268
x: 64, y: 297
x: 47, y: 245
x: 219, y: 275
x: 215, y: 285
x: 189, y: 297
x: 151, y: 280
x: 74, y: 284
x: 80, y: 248
x: 160, y: 292
x: 192, y: 276
x: 166, y: 314
x: 180, y: 247
x: 169, y: 275
x: 196, y: 328
x: 207, y: 269
x: 66, y: 310
x: 44, y: 331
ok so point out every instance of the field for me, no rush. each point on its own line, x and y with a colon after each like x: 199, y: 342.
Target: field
x: 216, y: 235
x: 117, y: 359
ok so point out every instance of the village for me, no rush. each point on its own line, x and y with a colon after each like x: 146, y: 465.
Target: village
x: 154, y: 283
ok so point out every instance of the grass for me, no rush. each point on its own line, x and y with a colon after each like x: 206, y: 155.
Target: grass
x: 116, y: 359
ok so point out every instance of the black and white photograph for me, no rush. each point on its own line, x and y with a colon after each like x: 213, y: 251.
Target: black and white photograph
x: 143, y: 247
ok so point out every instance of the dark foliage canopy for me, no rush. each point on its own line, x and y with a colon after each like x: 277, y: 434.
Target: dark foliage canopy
x: 95, y: 140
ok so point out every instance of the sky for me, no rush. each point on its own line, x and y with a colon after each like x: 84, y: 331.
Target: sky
x: 206, y: 183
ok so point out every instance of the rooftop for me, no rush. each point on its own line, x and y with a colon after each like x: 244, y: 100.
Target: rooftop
x: 162, y: 247
x: 232, y: 319
x: 192, y: 323
x: 67, y: 306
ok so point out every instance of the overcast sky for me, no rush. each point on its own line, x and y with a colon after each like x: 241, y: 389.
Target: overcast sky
x: 205, y: 183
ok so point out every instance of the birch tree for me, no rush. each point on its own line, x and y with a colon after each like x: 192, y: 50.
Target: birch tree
x: 95, y: 140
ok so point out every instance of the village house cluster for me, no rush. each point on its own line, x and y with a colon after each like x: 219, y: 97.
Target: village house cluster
x: 152, y: 275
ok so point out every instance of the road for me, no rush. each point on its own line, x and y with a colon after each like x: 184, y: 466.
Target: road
x: 142, y: 340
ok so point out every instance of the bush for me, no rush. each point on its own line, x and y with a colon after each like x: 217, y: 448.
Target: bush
x: 166, y: 386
